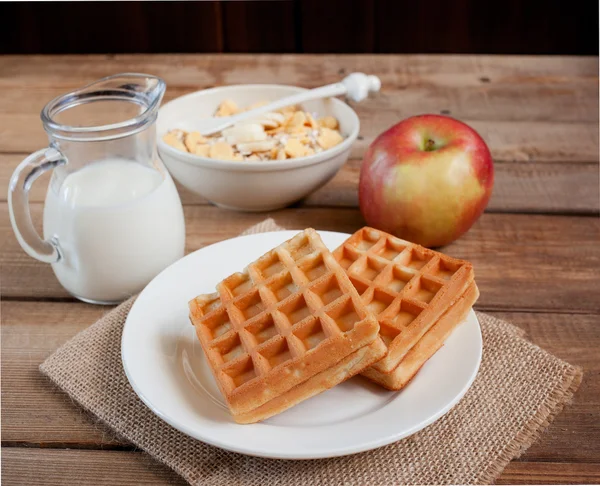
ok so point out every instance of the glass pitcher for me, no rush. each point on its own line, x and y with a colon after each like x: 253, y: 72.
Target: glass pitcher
x: 112, y: 217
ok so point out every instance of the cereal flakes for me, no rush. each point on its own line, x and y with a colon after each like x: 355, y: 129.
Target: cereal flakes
x: 285, y: 134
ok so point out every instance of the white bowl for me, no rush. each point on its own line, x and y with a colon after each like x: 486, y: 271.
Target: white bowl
x: 252, y: 186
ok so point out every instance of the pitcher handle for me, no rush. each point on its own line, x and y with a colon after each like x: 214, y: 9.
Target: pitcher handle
x: 18, y: 203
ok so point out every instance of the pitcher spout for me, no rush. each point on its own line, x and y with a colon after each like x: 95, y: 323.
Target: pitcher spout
x: 113, y: 106
x: 149, y: 88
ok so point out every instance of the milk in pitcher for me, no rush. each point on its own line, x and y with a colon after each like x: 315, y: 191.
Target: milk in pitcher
x: 118, y: 224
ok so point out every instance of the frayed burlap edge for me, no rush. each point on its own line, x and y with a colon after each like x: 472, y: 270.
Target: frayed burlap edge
x: 112, y: 433
x: 561, y: 396
x: 108, y: 431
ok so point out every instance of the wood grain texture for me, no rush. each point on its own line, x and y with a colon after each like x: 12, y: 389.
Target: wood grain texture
x: 472, y: 26
x: 133, y: 27
x: 550, y: 473
x: 30, y: 333
x: 507, y: 140
x: 323, y: 30
x: 70, y: 467
x: 67, y: 467
x: 191, y: 70
x: 540, y: 119
x: 258, y: 27
x: 575, y: 433
x: 35, y: 414
x: 439, y: 20
x: 524, y: 114
x: 542, y: 112
x: 469, y: 87
x: 529, y: 187
x: 461, y: 26
x: 569, y: 100
x: 521, y: 261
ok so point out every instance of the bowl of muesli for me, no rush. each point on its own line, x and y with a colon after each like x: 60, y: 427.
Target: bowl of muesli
x: 258, y: 165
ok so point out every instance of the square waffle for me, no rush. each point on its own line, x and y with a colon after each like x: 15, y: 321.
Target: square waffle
x: 408, y: 287
x: 428, y: 345
x: 288, y: 327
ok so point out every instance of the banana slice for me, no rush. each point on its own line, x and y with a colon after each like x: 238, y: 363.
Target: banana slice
x: 251, y: 132
x: 264, y: 122
x: 275, y: 117
x: 262, y: 146
x: 268, y: 120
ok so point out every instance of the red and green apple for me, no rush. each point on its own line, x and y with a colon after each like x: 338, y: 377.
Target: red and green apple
x: 427, y: 179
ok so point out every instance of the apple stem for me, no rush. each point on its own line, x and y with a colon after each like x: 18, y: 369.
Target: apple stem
x: 429, y: 145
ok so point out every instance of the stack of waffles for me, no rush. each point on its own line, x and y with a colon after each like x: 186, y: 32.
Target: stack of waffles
x: 300, y: 319
x: 418, y: 295
x: 287, y: 328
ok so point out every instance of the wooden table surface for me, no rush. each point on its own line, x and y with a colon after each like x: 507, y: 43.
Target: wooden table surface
x: 536, y: 249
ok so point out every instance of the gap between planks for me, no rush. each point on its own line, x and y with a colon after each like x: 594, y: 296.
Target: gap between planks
x: 559, y: 101
x: 526, y: 108
x: 192, y: 70
x: 532, y: 188
x: 510, y: 140
x: 477, y: 307
x: 527, y: 261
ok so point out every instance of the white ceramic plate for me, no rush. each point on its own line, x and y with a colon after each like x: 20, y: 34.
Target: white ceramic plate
x: 166, y: 367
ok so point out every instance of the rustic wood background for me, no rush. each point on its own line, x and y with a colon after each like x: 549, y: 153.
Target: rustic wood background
x: 311, y: 26
x: 536, y: 249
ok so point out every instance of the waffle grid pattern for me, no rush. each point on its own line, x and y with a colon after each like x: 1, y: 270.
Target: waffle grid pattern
x: 286, y: 304
x: 398, y: 281
x: 428, y: 345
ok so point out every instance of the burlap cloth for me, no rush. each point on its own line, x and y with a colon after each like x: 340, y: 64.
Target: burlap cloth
x: 518, y: 391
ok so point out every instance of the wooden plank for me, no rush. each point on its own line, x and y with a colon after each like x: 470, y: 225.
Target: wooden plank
x: 468, y: 27
x: 507, y: 140
x: 134, y: 27
x: 520, y: 98
x: 70, y: 467
x: 544, y: 112
x: 519, y: 187
x: 552, y: 100
x: 518, y: 472
x: 460, y: 27
x: 36, y: 414
x: 258, y: 27
x: 571, y: 100
x: 65, y: 467
x: 323, y: 31
x: 187, y: 70
x: 530, y: 187
x: 522, y: 262
x: 574, y: 338
x: 468, y: 87
x: 448, y: 31
x: 546, y: 188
